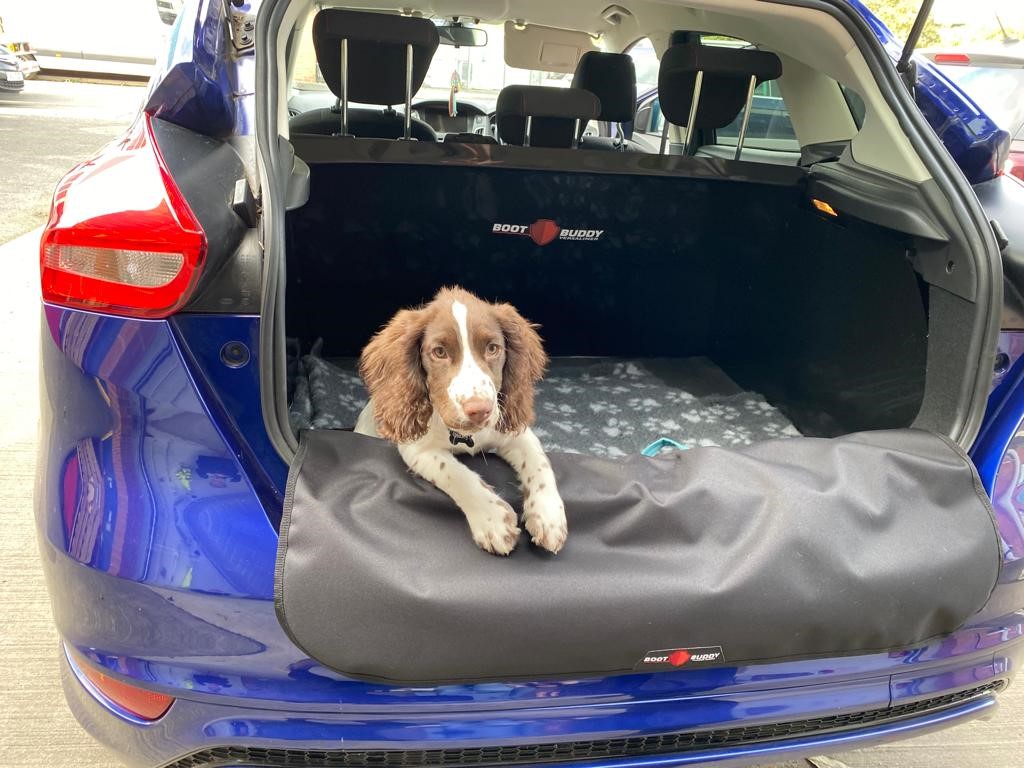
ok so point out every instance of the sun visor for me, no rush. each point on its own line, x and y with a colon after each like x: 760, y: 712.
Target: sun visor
x: 547, y: 49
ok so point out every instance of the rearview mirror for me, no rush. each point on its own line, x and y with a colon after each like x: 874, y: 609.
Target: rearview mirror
x: 459, y: 35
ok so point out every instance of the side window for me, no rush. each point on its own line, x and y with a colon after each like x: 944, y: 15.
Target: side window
x: 647, y: 125
x: 769, y: 126
x: 645, y: 61
x: 649, y: 118
x: 306, y: 71
x: 856, y: 105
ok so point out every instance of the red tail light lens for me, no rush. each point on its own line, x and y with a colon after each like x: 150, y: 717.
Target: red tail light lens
x: 121, y: 237
x: 143, y: 704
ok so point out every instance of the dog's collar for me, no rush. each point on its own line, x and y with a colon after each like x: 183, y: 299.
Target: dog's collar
x: 455, y: 438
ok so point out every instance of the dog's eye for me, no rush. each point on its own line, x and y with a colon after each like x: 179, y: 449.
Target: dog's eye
x: 493, y: 349
x: 439, y: 353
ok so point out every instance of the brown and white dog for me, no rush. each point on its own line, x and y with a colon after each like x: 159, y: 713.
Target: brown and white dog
x: 457, y: 376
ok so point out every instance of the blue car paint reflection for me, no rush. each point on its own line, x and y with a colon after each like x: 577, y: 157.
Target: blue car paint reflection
x: 157, y: 496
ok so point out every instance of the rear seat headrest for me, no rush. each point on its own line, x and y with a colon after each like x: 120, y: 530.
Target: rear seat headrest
x: 612, y: 78
x: 727, y: 73
x: 553, y: 113
x: 376, y: 53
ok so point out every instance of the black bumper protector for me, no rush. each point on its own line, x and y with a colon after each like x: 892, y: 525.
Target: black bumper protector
x: 786, y: 549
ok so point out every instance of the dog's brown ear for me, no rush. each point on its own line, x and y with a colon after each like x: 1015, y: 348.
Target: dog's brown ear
x: 390, y: 367
x: 525, y: 361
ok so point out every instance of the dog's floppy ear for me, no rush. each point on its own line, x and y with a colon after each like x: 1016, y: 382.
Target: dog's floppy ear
x: 390, y: 367
x: 525, y: 361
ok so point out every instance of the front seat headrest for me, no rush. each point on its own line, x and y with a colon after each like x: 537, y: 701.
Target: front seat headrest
x: 376, y: 53
x: 612, y: 78
x: 553, y: 113
x: 727, y: 73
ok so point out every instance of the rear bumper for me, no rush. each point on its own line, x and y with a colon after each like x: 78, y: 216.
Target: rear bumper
x: 198, y: 733
x: 237, y: 695
x: 240, y: 701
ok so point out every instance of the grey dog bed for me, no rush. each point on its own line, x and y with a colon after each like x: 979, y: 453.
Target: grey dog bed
x: 601, y: 406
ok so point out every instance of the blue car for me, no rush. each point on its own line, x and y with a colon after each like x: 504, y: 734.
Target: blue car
x: 784, y: 401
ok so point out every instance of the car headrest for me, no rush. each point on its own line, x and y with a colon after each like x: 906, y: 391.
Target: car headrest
x: 554, y: 112
x: 612, y: 78
x: 727, y: 73
x: 376, y: 52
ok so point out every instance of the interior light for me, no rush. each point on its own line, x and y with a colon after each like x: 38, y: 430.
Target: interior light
x: 824, y: 207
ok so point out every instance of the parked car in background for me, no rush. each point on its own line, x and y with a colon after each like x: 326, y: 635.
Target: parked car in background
x: 11, y: 76
x: 27, y: 64
x: 994, y: 78
x: 168, y: 10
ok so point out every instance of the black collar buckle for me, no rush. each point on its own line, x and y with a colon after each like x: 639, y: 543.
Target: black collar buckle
x: 455, y: 438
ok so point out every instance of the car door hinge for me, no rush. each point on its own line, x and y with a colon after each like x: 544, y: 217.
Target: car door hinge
x: 241, y: 27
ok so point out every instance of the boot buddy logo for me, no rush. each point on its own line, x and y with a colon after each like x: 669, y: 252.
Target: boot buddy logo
x: 681, y: 657
x: 544, y: 231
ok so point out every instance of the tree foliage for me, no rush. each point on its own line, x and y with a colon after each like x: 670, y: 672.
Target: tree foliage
x: 899, y: 15
x: 981, y: 25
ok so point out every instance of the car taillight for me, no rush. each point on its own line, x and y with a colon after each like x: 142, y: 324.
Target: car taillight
x: 138, y: 702
x: 121, y: 238
x: 952, y: 58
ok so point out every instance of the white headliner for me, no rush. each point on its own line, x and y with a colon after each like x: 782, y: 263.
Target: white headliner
x: 816, y: 50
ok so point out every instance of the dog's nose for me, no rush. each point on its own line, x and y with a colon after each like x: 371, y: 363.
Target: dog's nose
x: 477, y: 409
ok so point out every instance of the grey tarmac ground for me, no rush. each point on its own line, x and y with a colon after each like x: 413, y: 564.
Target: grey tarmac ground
x: 43, y: 132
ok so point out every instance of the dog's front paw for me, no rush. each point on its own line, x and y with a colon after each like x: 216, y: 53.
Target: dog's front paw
x: 545, y: 520
x: 494, y: 527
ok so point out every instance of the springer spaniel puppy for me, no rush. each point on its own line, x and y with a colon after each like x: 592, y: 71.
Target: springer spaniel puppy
x: 456, y: 376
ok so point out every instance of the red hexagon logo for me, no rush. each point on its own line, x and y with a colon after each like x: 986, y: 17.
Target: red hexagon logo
x: 678, y: 658
x: 543, y: 231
